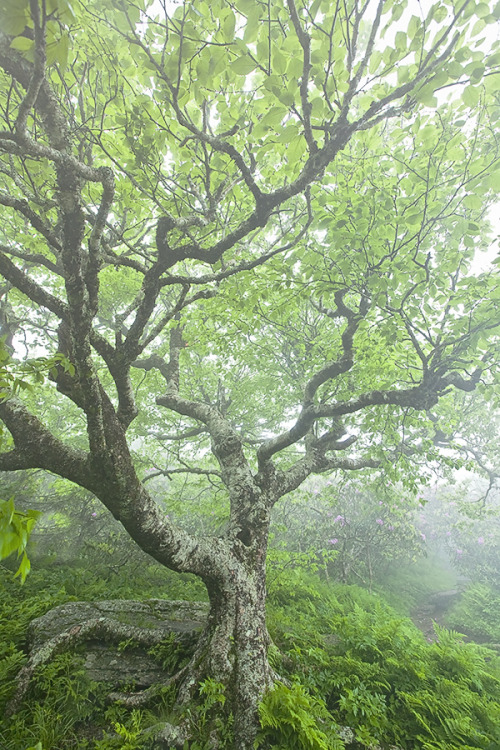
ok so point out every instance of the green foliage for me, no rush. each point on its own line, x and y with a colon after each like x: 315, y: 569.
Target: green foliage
x: 15, y: 530
x: 63, y: 709
x: 325, y: 211
x: 17, y: 608
x: 376, y: 673
x: 16, y: 526
x: 128, y: 736
x: 285, y: 564
x: 74, y: 530
x: 210, y: 717
x: 391, y: 684
x: 351, y: 659
x: 476, y: 613
x: 16, y: 377
x: 62, y: 700
x: 351, y: 530
x: 172, y: 653
x: 291, y: 717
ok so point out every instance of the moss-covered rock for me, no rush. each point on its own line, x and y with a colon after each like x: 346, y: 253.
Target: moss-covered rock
x: 117, y: 652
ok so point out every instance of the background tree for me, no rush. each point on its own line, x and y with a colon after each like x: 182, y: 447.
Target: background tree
x: 249, y: 225
x: 354, y: 531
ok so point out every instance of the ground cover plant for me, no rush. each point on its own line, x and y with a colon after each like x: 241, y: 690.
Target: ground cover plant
x: 243, y: 238
x: 348, y: 660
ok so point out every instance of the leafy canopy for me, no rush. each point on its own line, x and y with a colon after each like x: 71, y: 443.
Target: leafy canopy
x: 249, y: 225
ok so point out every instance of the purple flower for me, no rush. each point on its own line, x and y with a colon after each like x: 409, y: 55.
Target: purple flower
x: 94, y: 515
x: 379, y: 521
x: 480, y: 540
x: 459, y: 552
x: 423, y: 536
x: 340, y: 520
x: 391, y: 528
x: 333, y: 541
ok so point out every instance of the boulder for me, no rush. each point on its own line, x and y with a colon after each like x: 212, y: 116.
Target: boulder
x: 122, y: 660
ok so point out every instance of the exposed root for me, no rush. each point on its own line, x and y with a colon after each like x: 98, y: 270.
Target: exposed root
x: 213, y: 655
x: 100, y: 628
x: 147, y: 697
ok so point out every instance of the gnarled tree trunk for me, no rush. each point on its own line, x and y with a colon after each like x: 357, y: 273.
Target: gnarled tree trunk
x: 232, y: 650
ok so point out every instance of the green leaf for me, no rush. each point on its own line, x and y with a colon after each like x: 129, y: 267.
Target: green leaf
x: 279, y: 61
x: 24, y: 568
x: 375, y: 60
x: 296, y: 149
x: 493, y: 60
x: 426, y: 96
x: 481, y: 10
x: 14, y: 16
x: 243, y: 65
x: 288, y: 133
x: 22, y: 44
x: 413, y: 219
x: 414, y: 26
x: 400, y: 41
x: 470, y: 96
x: 454, y: 69
x: 61, y: 51
x: 253, y: 24
x: 65, y: 11
x: 229, y: 26
x: 398, y: 10
x: 493, y: 180
x: 473, y: 201
x: 274, y: 116
x: 473, y: 228
x: 439, y: 13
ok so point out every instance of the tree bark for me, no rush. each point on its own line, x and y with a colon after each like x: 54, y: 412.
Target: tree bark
x: 232, y: 649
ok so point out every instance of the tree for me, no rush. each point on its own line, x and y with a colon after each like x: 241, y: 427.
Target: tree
x: 357, y: 530
x: 251, y: 226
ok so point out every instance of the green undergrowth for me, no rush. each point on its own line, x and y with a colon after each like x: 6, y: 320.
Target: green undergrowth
x: 291, y: 717
x: 64, y: 708
x: 347, y: 659
x: 477, y: 613
x: 373, y: 671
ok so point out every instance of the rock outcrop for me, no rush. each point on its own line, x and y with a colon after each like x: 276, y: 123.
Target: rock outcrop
x: 115, y: 650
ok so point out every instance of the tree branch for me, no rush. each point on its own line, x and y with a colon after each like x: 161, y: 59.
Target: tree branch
x: 305, y: 43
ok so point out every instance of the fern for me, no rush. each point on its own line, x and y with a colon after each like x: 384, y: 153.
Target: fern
x: 290, y: 717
